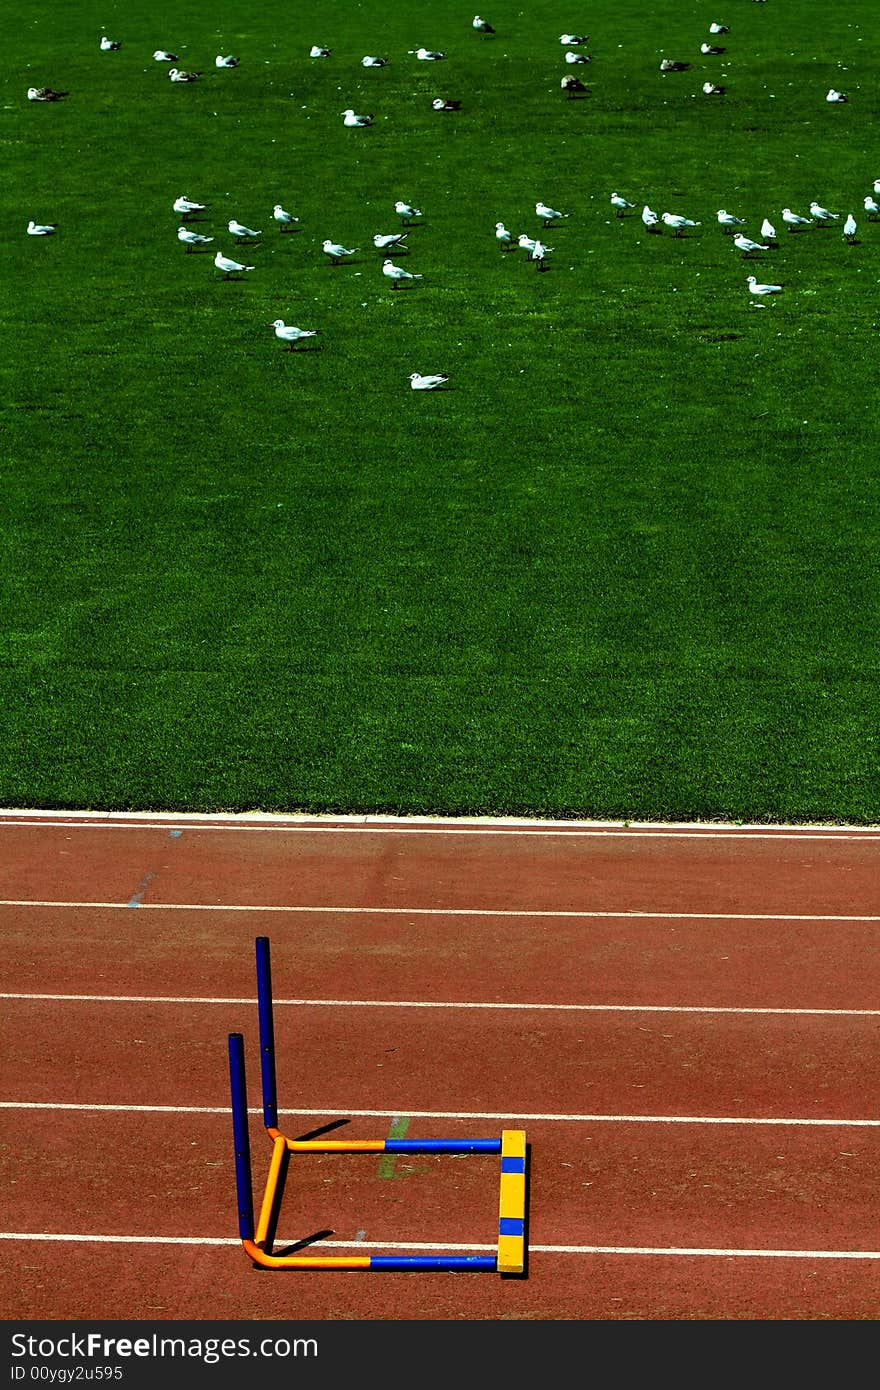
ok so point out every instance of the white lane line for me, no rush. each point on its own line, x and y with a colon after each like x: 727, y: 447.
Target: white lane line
x: 472, y: 825
x: 440, y: 1004
x: 447, y: 911
x: 563, y: 1118
x: 316, y: 1247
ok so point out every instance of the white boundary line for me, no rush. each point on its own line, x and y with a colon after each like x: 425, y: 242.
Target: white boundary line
x: 29, y: 996
x: 495, y: 1115
x: 256, y: 820
x: 315, y: 1247
x: 528, y: 912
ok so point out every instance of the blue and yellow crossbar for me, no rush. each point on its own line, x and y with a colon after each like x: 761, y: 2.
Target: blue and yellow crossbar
x: 257, y: 1238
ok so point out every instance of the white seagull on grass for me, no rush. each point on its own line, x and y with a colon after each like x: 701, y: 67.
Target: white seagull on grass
x: 571, y: 85
x: 793, y: 220
x: 833, y: 95
x: 370, y: 62
x: 290, y: 334
x: 539, y: 254
x: 677, y: 221
x: 620, y: 204
x: 445, y: 104
x: 431, y: 382
x: 573, y: 57
x: 407, y: 211
x: 230, y: 267
x: 41, y: 228
x: 396, y: 273
x: 162, y: 55
x: 719, y: 28
x: 768, y: 231
x: 481, y: 25
x: 548, y: 214
x: 755, y: 287
x: 747, y: 246
x: 185, y: 206
x: 191, y: 238
x: 45, y: 94
x: 241, y: 232
x: 571, y: 40
x: 428, y: 55
x: 872, y: 208
x: 386, y: 241
x: 336, y: 251
x: 822, y: 215
x: 849, y: 229
x: 284, y: 219
x: 179, y: 75
x: 317, y: 50
x: 226, y: 61
x: 650, y: 219
x: 728, y: 221
x: 504, y: 237
x: 110, y: 45
x: 713, y: 89
x: 351, y: 118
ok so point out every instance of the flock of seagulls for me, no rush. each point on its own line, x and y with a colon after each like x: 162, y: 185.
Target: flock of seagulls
x: 390, y: 244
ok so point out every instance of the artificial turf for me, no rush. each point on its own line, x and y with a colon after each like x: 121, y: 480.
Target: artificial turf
x: 625, y: 567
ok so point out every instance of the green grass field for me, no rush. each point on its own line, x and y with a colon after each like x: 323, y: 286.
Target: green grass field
x: 626, y: 567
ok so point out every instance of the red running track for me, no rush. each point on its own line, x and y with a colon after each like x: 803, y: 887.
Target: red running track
x: 684, y: 1020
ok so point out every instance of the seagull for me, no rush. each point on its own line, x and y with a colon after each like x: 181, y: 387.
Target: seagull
x: 185, y: 206
x: 191, y: 238
x: 726, y: 219
x: 396, y: 273
x: 620, y: 204
x: 822, y: 215
x: 336, y: 251
x: 162, y: 56
x: 650, y: 219
x: 229, y: 267
x: 428, y: 55
x: 719, y: 28
x: 572, y: 57
x: 45, y: 94
x: 673, y: 65
x: 872, y: 208
x: 241, y: 232
x: 350, y: 118
x: 317, y: 51
x: 849, y: 228
x: 548, y: 214
x: 768, y: 232
x: 539, y: 254
x: 178, y: 75
x: 756, y: 288
x: 504, y: 237
x: 571, y: 40
x: 572, y: 84
x: 877, y: 185
x: 427, y: 383
x: 390, y: 240
x: 41, y: 228
x: 832, y: 95
x: 793, y: 220
x: 406, y: 211
x: 711, y: 48
x: 440, y: 104
x: 748, y: 247
x: 226, y: 62
x: 368, y: 62
x: 109, y: 45
x: 678, y: 222
x: 481, y: 25
x: 291, y: 335
x: 526, y: 242
x: 712, y: 89
x: 284, y: 219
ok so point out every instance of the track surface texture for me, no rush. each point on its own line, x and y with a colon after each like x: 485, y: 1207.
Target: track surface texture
x: 684, y: 1019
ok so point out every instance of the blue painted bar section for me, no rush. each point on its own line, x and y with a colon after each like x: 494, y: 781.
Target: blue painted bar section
x: 442, y: 1146
x: 433, y: 1262
x: 243, y: 1184
x: 267, y: 1033
x: 511, y: 1226
x: 513, y: 1165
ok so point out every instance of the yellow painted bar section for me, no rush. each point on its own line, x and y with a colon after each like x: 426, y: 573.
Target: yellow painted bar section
x: 512, y: 1203
x: 270, y: 1196
x: 339, y: 1146
x: 304, y: 1261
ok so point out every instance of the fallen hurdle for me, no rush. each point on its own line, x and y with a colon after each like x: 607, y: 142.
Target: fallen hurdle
x: 257, y: 1237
